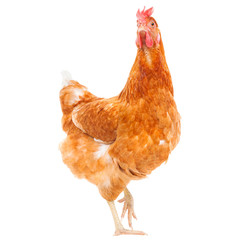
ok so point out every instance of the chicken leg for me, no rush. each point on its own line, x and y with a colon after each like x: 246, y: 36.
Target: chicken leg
x: 128, y: 206
x: 119, y: 229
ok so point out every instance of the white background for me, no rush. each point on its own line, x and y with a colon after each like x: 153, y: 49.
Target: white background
x: 201, y: 193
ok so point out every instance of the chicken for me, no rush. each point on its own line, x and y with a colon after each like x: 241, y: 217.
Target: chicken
x: 113, y: 141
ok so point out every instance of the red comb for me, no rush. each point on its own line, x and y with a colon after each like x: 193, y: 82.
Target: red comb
x: 142, y: 15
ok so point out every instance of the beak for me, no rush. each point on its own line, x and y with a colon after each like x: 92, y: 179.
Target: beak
x: 144, y: 36
x: 142, y: 28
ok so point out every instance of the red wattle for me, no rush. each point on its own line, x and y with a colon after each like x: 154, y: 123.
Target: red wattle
x: 149, y: 41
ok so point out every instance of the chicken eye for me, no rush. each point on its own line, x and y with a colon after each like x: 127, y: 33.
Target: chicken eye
x: 152, y: 24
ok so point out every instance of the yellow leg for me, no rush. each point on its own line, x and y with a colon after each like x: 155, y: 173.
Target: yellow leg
x: 128, y: 206
x: 119, y: 229
x: 118, y: 225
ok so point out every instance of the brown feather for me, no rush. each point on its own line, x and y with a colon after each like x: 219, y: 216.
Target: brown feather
x: 98, y: 119
x: 139, y: 128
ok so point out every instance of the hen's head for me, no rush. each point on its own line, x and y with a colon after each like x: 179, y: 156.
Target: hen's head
x: 148, y: 33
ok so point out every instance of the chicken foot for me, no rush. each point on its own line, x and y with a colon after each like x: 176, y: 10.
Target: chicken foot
x: 128, y: 206
x: 119, y: 229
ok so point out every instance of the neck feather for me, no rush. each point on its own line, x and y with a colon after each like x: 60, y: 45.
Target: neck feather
x: 149, y: 72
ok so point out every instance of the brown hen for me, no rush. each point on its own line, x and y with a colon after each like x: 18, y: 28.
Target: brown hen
x: 113, y: 141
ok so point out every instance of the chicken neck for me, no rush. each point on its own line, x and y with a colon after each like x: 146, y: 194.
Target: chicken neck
x: 149, y: 73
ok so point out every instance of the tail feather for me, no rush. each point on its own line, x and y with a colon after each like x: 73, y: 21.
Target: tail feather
x: 73, y: 93
x: 66, y: 77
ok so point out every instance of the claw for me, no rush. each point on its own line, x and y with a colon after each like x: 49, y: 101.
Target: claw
x: 125, y: 208
x: 128, y: 232
x: 130, y: 220
x: 128, y: 207
x: 121, y: 200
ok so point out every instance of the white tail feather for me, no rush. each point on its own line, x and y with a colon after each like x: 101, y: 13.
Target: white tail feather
x: 66, y: 77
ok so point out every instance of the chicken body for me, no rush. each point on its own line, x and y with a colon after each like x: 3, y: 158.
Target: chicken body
x: 113, y: 141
